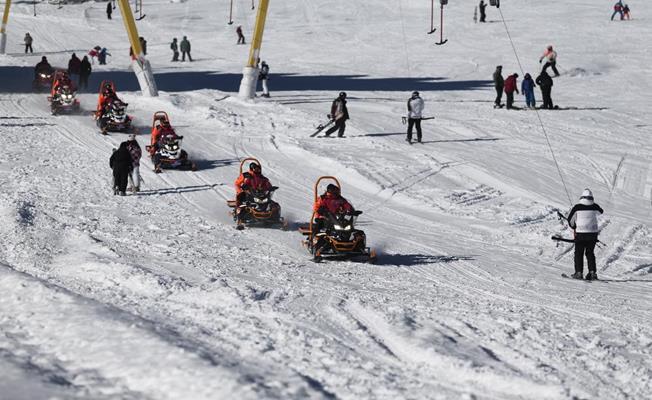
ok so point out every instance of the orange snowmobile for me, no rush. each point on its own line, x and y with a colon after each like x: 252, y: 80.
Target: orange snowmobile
x: 166, y: 149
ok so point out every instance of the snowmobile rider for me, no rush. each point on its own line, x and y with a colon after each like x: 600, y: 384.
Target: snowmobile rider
x: 61, y: 81
x: 107, y: 96
x: 254, y: 179
x: 583, y: 218
x: 43, y: 67
x: 160, y: 131
x: 330, y: 203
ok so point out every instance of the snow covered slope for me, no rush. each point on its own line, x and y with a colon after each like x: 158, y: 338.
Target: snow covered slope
x: 156, y: 296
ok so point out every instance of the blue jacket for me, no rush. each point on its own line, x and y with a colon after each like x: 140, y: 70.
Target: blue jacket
x: 527, y: 85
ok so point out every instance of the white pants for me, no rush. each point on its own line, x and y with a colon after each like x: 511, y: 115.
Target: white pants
x: 134, y: 177
x: 265, y: 89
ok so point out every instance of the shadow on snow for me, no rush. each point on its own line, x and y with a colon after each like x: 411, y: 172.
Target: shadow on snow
x: 403, y: 260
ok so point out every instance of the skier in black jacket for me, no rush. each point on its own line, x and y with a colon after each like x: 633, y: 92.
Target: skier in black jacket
x: 121, y: 163
x: 583, y: 218
x: 339, y: 114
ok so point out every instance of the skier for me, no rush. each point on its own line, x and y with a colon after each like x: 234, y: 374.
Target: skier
x: 101, y: 56
x: 121, y: 164
x: 626, y: 12
x: 241, y: 38
x: 175, y: 50
x: 545, y: 84
x: 583, y: 219
x: 339, y: 114
x: 527, y: 88
x: 43, y: 67
x: 28, y: 43
x: 415, y: 108
x: 74, y: 66
x: 109, y: 10
x: 84, y: 72
x: 254, y: 179
x: 263, y: 76
x: 185, y: 49
x: 618, y: 9
x: 136, y: 153
x: 483, y: 13
x: 511, y: 86
x: 94, y: 52
x: 328, y: 204
x: 551, y: 60
x: 499, y: 84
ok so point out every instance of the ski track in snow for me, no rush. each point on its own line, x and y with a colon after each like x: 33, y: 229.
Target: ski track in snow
x: 156, y: 296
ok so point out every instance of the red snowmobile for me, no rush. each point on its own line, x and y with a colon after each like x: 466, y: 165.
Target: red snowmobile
x: 111, y: 115
x: 62, y: 98
x: 166, y: 149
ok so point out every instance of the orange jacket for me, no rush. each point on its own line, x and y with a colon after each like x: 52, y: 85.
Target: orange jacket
x: 159, y: 131
x: 251, y: 181
x: 332, y: 203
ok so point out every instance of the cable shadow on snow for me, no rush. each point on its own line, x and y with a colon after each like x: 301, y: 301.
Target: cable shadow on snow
x: 19, y: 80
x: 407, y: 260
x: 178, y: 190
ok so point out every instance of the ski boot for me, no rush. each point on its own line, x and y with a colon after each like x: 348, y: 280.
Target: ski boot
x: 577, y: 275
x: 591, y: 276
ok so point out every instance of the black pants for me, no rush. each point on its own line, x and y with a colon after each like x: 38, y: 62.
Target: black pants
x: 340, y: 126
x: 175, y: 55
x: 483, y: 16
x: 553, y: 65
x: 121, y: 178
x: 83, y: 81
x: 547, y: 100
x: 585, y: 244
x: 183, y: 56
x: 510, y: 99
x: 499, y: 95
x: 108, y: 15
x: 28, y: 47
x: 414, y: 122
x: 241, y: 39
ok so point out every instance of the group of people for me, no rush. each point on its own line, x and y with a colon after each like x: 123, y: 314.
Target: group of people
x: 184, y: 46
x: 622, y: 10
x: 510, y: 84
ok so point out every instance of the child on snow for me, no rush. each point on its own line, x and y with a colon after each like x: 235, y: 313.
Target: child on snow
x: 527, y: 88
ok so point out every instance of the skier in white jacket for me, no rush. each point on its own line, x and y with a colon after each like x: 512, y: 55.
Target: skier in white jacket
x: 583, y: 218
x: 415, y: 108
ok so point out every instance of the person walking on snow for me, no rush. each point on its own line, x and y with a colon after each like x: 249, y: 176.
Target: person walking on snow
x: 339, y: 114
x: 483, y: 13
x: 511, y: 86
x: 583, y: 219
x: 185, y: 49
x: 527, y: 89
x: 74, y: 66
x: 499, y: 84
x: 175, y: 50
x: 551, y: 60
x: 241, y: 38
x: 28, y: 43
x: 101, y: 56
x: 626, y: 12
x: 121, y: 164
x: 618, y: 9
x: 415, y: 109
x: 109, y: 10
x: 545, y: 84
x: 135, y: 152
x: 263, y: 75
x: 84, y: 73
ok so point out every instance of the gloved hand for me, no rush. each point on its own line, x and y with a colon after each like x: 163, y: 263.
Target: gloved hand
x: 322, y: 210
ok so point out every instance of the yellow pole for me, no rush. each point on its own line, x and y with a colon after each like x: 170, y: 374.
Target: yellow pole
x: 250, y: 72
x: 130, y: 25
x: 257, y: 40
x: 3, y: 27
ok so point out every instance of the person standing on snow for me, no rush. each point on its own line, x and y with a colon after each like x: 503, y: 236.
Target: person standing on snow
x: 28, y: 43
x: 483, y: 13
x: 241, y: 38
x: 511, y: 86
x: 74, y: 66
x: 84, y: 73
x: 136, y: 153
x: 415, y: 108
x: 527, y: 89
x: 143, y: 45
x: 618, y: 9
x: 101, y: 56
x: 185, y: 49
x: 545, y: 84
x: 175, y: 50
x: 121, y: 164
x: 263, y: 75
x: 339, y: 114
x: 499, y: 84
x: 583, y: 219
x: 551, y: 60
x: 626, y: 12
x: 109, y: 10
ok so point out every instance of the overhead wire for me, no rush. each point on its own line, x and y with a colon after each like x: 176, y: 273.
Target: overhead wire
x: 407, y: 54
x: 543, y: 127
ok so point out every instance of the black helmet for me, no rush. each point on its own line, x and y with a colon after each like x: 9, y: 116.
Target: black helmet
x: 44, y: 58
x: 415, y: 94
x: 332, y: 189
x: 254, y: 166
x: 342, y: 95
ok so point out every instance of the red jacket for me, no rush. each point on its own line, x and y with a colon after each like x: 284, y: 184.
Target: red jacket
x: 510, y: 84
x: 333, y: 203
x: 251, y: 181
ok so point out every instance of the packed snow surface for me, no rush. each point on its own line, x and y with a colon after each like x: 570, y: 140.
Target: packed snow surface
x: 156, y: 296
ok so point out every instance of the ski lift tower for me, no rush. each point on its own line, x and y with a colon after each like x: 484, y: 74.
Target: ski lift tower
x: 3, y: 27
x: 250, y: 72
x: 139, y: 64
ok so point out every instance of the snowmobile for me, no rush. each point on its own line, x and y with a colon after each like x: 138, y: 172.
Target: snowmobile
x: 63, y: 99
x: 114, y: 118
x: 43, y: 81
x: 258, y: 207
x: 339, y: 239
x: 167, y: 152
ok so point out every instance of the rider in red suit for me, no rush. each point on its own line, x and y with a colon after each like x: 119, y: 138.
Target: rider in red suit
x: 254, y: 179
x: 331, y: 202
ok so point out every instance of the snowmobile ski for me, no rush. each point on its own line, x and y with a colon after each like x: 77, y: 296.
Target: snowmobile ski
x: 321, y: 127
